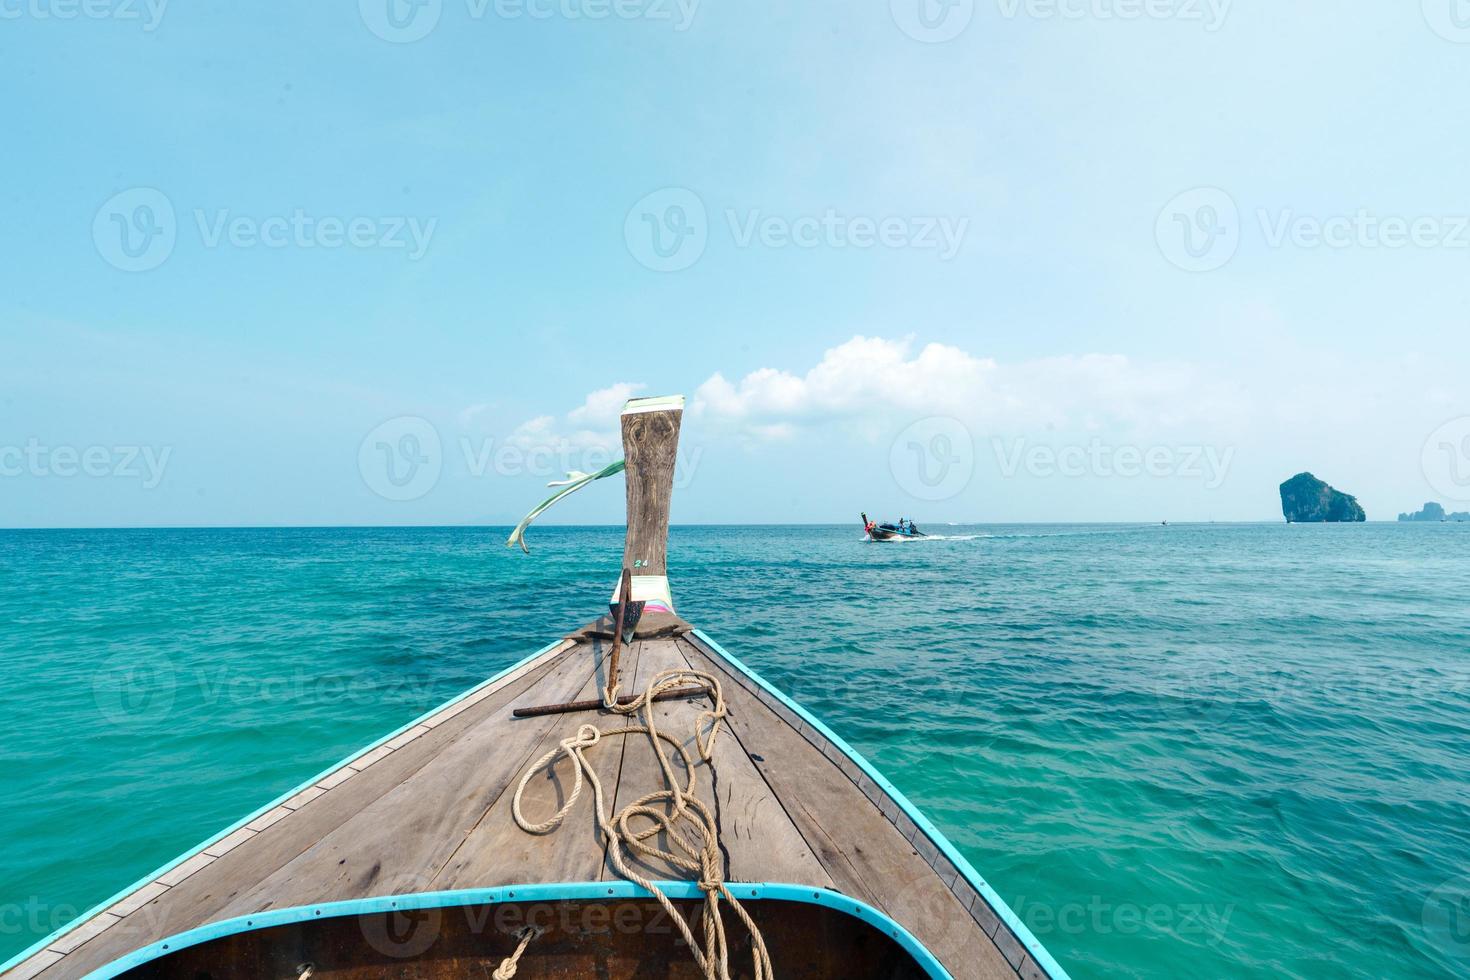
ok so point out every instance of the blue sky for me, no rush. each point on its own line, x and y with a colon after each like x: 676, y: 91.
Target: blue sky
x: 990, y: 261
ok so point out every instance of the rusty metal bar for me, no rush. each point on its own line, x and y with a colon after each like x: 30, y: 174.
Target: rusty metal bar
x: 625, y: 596
x: 571, y: 706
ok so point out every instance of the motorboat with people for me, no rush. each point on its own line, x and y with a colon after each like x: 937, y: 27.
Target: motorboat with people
x: 901, y: 530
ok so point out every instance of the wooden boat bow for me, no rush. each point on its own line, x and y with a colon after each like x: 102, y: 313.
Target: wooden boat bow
x: 406, y: 859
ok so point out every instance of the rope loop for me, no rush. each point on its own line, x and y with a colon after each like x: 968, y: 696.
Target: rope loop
x: 674, y: 811
x: 507, y: 968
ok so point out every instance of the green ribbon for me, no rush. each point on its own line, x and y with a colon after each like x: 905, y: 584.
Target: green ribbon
x: 575, y: 481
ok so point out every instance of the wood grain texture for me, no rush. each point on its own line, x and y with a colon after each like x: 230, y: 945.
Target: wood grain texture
x: 757, y: 837
x: 155, y: 912
x: 399, y: 842
x: 435, y: 813
x: 650, y: 447
x: 857, y: 845
x: 497, y: 851
x: 641, y: 773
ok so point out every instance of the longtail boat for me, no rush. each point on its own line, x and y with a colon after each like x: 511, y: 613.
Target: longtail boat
x: 902, y: 531
x: 631, y: 801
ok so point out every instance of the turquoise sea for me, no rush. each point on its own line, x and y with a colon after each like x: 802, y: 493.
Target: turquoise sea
x: 1186, y: 751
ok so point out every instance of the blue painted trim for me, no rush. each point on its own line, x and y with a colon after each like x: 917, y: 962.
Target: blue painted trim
x: 566, y: 891
x: 30, y: 951
x: 998, y: 904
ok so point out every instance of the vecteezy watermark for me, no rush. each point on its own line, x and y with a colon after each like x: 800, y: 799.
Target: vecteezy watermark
x: 415, y: 924
x: 1446, y: 459
x: 1098, y: 916
x: 299, y: 229
x: 401, y: 21
x: 35, y: 917
x: 1363, y: 230
x: 1211, y: 14
x: 668, y: 230
x: 401, y: 459
x: 1201, y: 230
x: 1211, y: 686
x: 137, y: 229
x: 144, y: 688
x: 135, y: 687
x: 36, y: 459
x: 832, y: 229
x: 1204, y: 689
x: 933, y: 459
x: 1450, y: 19
x: 404, y: 933
x: 548, y: 458
x: 406, y: 21
x: 148, y: 13
x: 1446, y: 919
x: 556, y: 458
x: 932, y: 21
x: 1209, y: 464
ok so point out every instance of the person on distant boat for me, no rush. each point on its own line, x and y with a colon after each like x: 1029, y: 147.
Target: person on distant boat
x: 913, y: 528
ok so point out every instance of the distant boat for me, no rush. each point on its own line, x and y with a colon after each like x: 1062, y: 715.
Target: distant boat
x: 901, y: 531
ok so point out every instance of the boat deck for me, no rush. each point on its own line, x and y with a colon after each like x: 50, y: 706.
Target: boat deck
x: 430, y: 810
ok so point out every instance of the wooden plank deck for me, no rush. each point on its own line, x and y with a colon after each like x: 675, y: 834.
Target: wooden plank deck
x: 431, y: 811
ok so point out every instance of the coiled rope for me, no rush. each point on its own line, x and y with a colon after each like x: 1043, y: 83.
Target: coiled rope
x: 688, y: 823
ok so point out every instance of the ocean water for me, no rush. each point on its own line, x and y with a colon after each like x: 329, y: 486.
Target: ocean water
x: 1186, y: 751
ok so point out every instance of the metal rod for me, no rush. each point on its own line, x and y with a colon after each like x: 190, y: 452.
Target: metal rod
x: 625, y: 595
x: 593, y: 705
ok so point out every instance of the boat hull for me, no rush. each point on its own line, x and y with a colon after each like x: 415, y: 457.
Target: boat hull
x: 893, y: 534
x: 800, y: 811
x: 471, y: 934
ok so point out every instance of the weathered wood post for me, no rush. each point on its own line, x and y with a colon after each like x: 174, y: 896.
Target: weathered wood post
x: 650, y: 447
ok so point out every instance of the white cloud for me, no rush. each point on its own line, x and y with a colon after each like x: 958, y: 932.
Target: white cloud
x: 604, y: 405
x: 870, y: 381
x: 591, y: 425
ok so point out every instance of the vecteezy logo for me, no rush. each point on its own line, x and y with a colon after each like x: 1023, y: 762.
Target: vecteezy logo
x: 403, y: 933
x: 135, y: 230
x: 134, y: 688
x: 1446, y: 459
x: 932, y: 21
x: 1199, y: 231
x: 401, y: 459
x: 667, y: 230
x: 1205, y: 695
x: 1446, y: 919
x: 933, y: 459
x: 1450, y: 19
x: 400, y: 21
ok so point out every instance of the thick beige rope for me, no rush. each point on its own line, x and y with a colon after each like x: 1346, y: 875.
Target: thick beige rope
x: 507, y: 969
x: 677, y: 812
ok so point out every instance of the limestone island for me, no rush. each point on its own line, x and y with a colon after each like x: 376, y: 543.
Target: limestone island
x: 1307, y: 500
x: 1434, y: 512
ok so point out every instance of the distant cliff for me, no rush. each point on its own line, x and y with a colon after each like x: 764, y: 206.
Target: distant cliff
x: 1307, y: 500
x: 1434, y: 512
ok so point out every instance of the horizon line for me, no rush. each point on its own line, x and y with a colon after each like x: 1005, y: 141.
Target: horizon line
x: 547, y: 526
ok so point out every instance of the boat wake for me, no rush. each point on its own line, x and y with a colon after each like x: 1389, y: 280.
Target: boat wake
x: 928, y: 537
